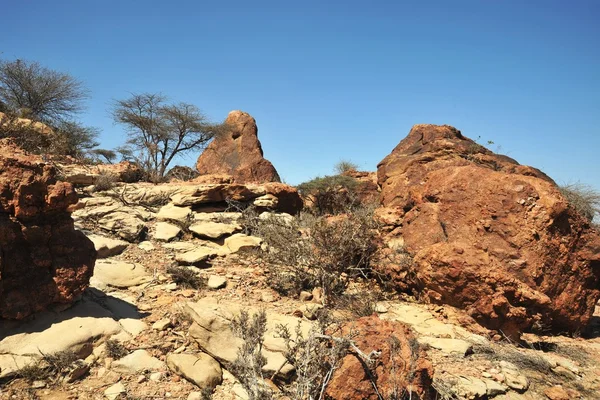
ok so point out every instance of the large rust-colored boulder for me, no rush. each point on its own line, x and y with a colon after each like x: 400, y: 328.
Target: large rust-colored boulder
x: 43, y: 259
x: 238, y: 153
x: 488, y: 235
x: 401, y: 369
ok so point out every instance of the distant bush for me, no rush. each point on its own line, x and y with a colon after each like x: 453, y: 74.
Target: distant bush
x: 330, y: 194
x: 585, y: 199
x: 345, y: 166
x: 181, y: 173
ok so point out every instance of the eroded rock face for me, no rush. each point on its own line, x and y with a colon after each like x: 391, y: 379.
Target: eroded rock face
x: 43, y: 259
x: 238, y: 153
x: 402, y: 366
x: 488, y: 235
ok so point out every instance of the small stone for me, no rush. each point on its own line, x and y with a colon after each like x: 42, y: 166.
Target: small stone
x: 113, y: 392
x: 146, y: 246
x: 157, y: 376
x: 305, y: 296
x: 217, y: 282
x: 516, y: 382
x: 195, y: 396
x: 38, y: 385
x: 79, y: 368
x: 486, y: 374
x: 141, y: 378
x: 268, y: 297
x: 310, y: 310
x: 161, y: 324
x: 166, y: 232
x: 380, y: 308
x: 101, y: 372
x: 170, y: 286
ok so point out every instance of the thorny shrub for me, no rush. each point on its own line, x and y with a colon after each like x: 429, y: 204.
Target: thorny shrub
x: 585, y: 199
x: 334, y: 194
x: 312, y: 251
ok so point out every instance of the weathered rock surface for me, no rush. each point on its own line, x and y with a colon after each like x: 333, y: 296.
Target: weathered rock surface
x: 212, y: 330
x: 214, y: 230
x: 50, y: 333
x: 200, y: 369
x: 107, y: 247
x: 164, y: 231
x: 488, y: 235
x: 137, y: 362
x: 402, y: 366
x: 81, y: 174
x: 237, y: 152
x: 43, y: 259
x: 119, y: 274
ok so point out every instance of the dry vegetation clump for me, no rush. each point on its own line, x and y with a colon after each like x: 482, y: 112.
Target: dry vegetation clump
x: 585, y: 199
x: 186, y: 278
x: 115, y: 349
x: 335, y: 194
x: 48, y: 367
x: 105, y: 181
x: 316, y: 251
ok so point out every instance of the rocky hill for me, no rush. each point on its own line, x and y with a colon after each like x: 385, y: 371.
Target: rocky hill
x: 472, y: 279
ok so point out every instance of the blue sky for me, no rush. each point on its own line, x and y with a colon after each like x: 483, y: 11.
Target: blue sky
x: 331, y: 80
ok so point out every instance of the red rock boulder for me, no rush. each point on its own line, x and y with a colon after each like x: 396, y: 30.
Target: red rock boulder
x: 238, y: 153
x: 400, y: 370
x: 43, y: 259
x: 488, y: 235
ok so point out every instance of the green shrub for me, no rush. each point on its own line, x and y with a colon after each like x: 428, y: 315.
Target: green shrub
x: 333, y: 194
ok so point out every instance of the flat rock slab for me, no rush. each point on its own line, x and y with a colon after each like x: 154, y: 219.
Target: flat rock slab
x: 171, y: 212
x: 166, y: 232
x: 137, y: 362
x: 107, y: 247
x: 50, y: 333
x: 213, y: 230
x: 128, y: 226
x: 119, y: 274
x: 200, y: 369
x: 239, y: 241
x: 449, y: 346
x: 212, y: 331
x: 216, y: 282
x: 196, y: 256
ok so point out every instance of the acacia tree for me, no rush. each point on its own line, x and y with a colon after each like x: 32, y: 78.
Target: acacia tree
x: 159, y: 131
x: 39, y: 93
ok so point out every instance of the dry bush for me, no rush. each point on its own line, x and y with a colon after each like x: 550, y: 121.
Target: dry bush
x: 330, y: 194
x: 104, y: 181
x: 26, y: 135
x: 49, y: 366
x: 186, y: 278
x: 345, y: 166
x: 115, y: 349
x: 181, y: 173
x: 584, y: 198
x: 250, y: 361
x: 314, y: 251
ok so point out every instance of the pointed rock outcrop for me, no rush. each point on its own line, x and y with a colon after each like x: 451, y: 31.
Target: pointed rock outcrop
x: 238, y: 153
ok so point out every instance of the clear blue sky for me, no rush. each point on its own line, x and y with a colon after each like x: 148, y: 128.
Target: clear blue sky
x: 331, y: 80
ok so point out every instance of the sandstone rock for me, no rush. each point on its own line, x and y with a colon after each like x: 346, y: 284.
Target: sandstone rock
x: 375, y: 334
x: 197, y: 256
x: 124, y: 171
x: 201, y: 369
x: 279, y: 218
x: 212, y: 193
x: 488, y: 235
x: 162, y: 324
x: 137, y: 362
x: 237, y: 152
x: 146, y: 246
x: 50, y: 332
x: 288, y: 199
x: 107, y: 247
x: 43, y: 259
x: 214, y: 230
x: 115, y: 391
x: 448, y: 346
x: 120, y: 274
x: 266, y: 201
x: 172, y: 212
x: 125, y: 224
x: 559, y: 393
x: 217, y: 282
x: 164, y: 231
x: 225, y: 217
x: 212, y: 331
x: 239, y: 241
